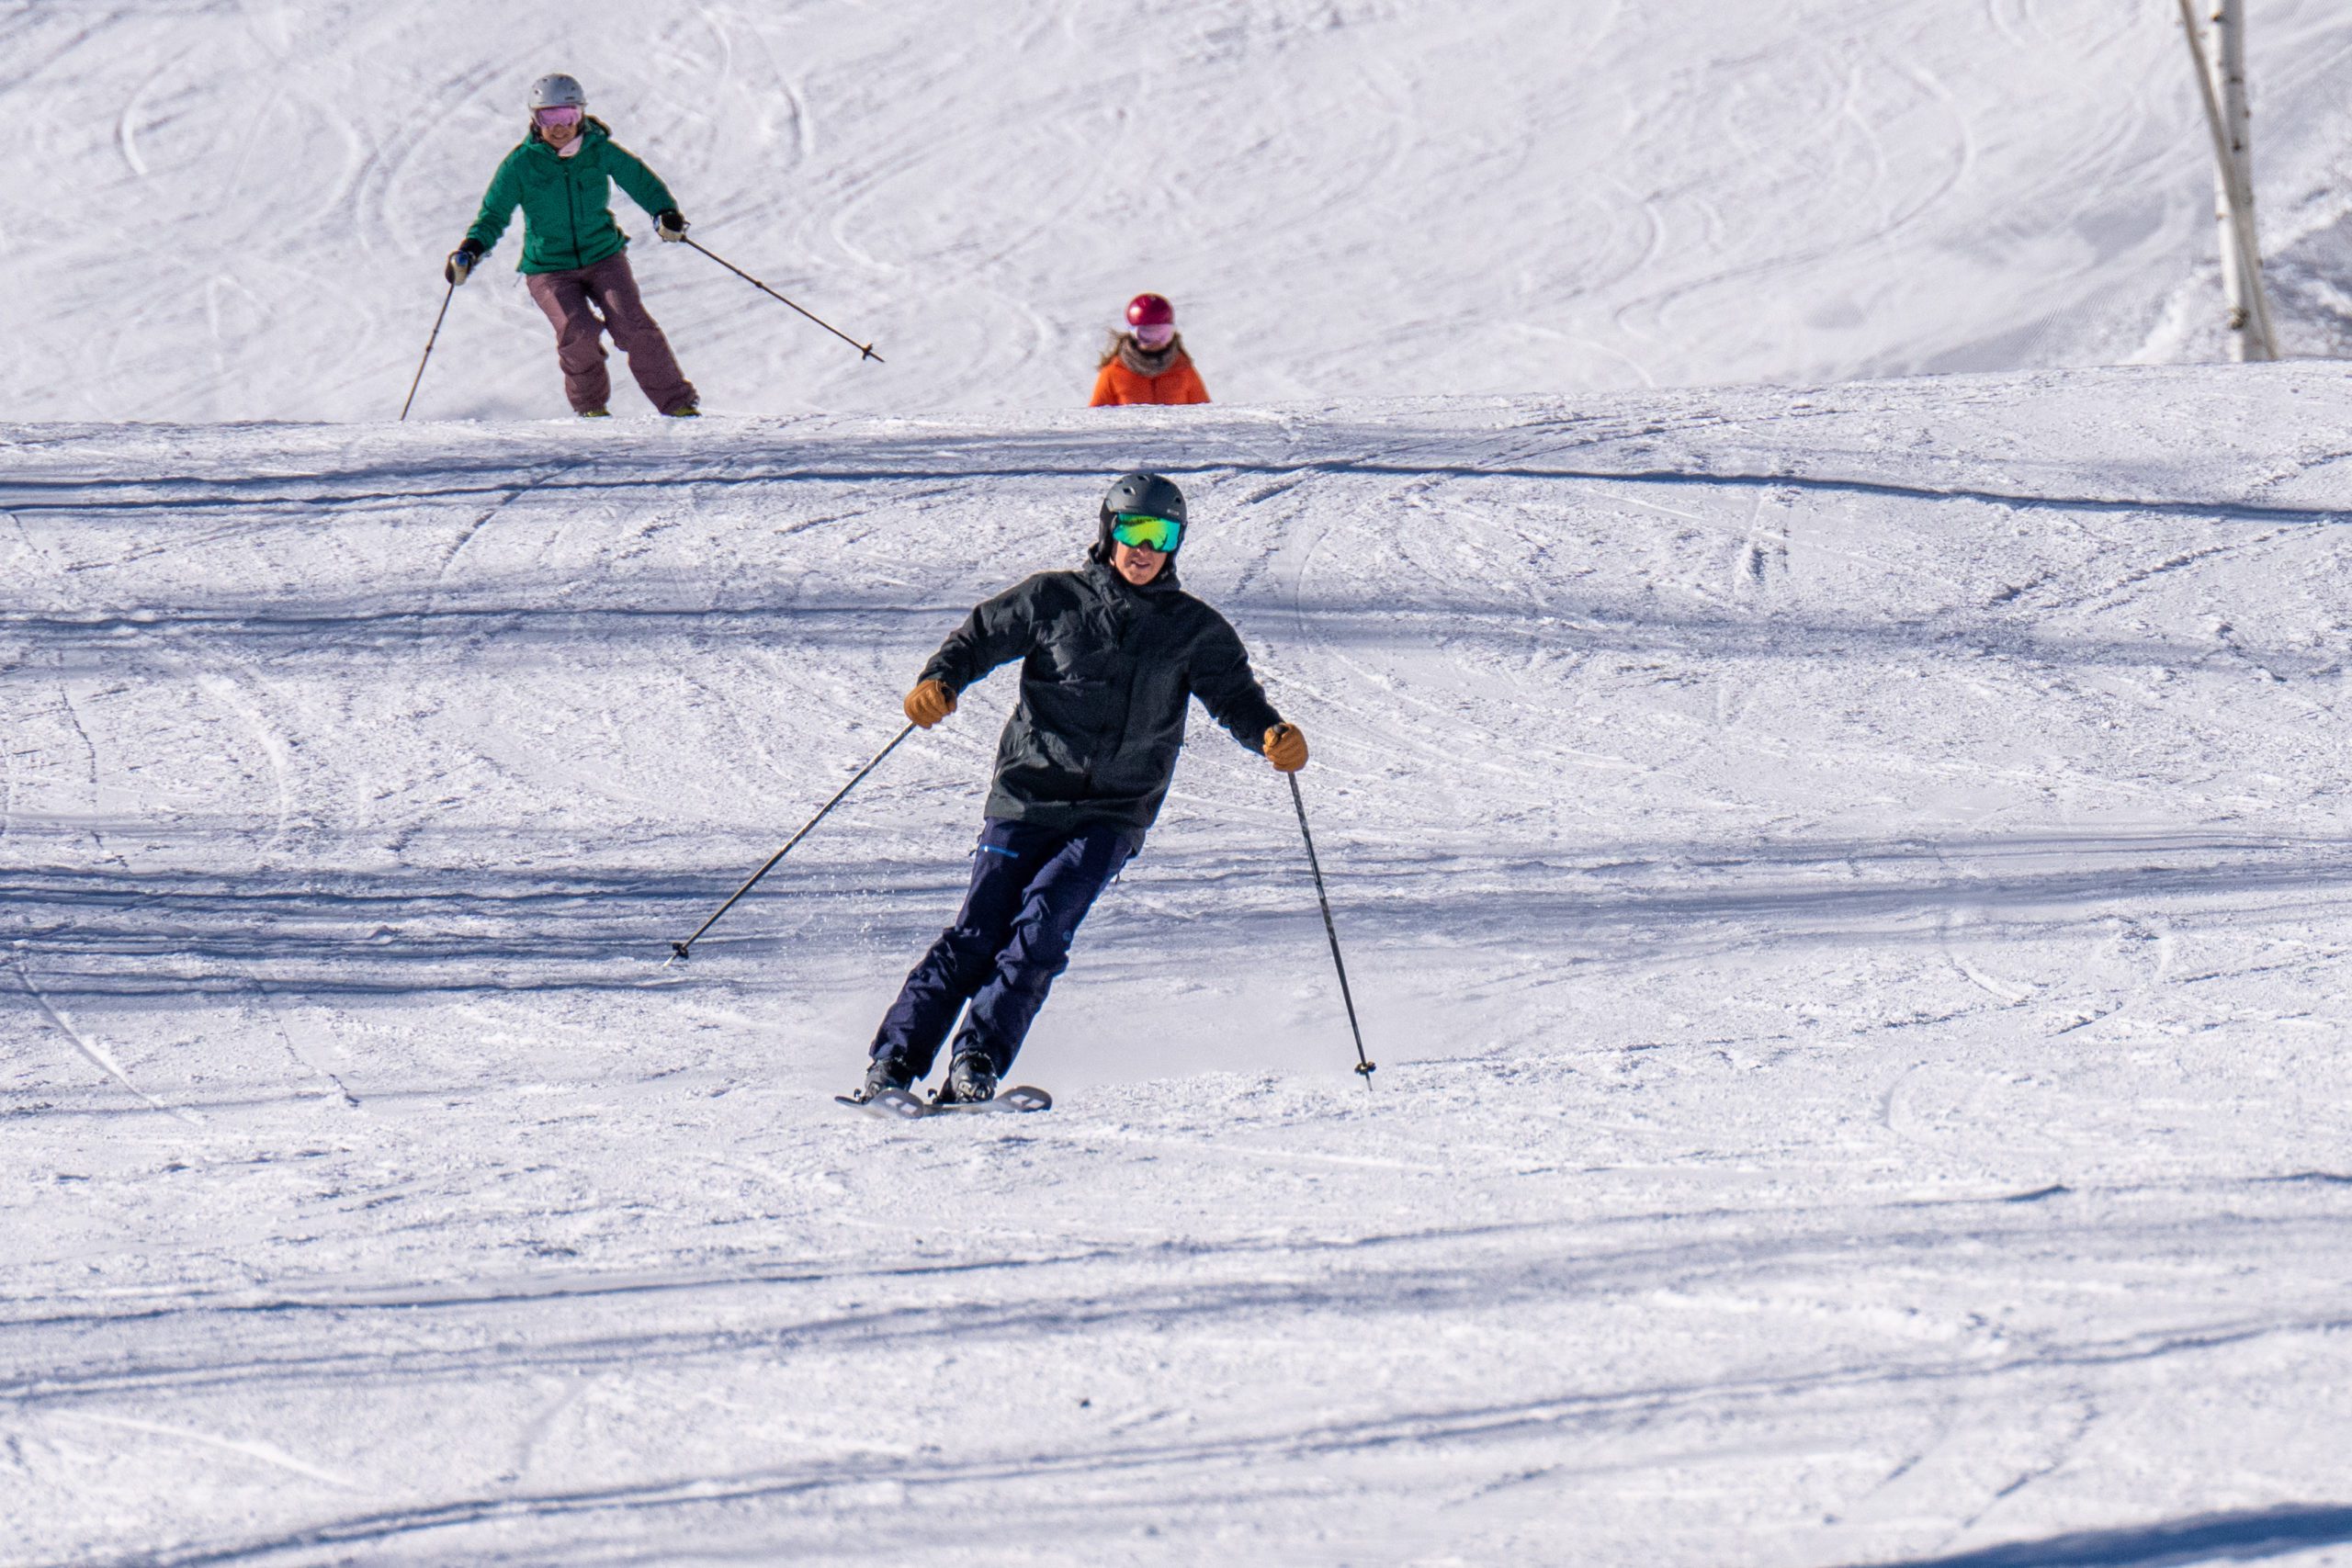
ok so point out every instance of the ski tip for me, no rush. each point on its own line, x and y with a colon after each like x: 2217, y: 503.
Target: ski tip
x: 892, y: 1104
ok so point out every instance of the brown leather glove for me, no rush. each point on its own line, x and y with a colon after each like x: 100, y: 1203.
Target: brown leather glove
x: 1286, y: 748
x: 929, y: 703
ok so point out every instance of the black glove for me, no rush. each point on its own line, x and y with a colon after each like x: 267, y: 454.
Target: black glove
x: 461, y: 262
x: 670, y: 225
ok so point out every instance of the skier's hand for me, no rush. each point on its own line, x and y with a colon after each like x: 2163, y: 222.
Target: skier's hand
x: 1286, y: 748
x: 460, y: 263
x: 929, y: 703
x: 670, y: 225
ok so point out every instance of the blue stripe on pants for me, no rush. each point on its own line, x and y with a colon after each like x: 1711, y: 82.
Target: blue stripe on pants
x: 1031, y: 886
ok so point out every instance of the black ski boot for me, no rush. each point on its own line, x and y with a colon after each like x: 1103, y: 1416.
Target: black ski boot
x: 881, y: 1074
x: 971, y: 1079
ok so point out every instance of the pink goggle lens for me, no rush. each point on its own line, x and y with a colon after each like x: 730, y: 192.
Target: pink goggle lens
x: 1158, y: 335
x: 567, y: 114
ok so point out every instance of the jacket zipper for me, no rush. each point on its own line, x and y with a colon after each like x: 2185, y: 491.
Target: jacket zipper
x: 571, y: 204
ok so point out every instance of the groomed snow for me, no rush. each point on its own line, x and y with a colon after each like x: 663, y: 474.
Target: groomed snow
x: 239, y: 212
x: 1847, y: 887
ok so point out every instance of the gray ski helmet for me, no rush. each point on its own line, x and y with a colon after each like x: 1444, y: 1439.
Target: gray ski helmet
x: 557, y: 91
x: 1148, y: 494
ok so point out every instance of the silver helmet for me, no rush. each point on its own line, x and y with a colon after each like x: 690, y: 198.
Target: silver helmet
x: 558, y: 92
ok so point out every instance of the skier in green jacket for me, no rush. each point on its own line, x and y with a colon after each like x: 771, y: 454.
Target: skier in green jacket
x: 575, y: 258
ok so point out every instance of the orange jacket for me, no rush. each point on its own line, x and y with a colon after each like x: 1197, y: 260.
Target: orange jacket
x: 1180, y: 383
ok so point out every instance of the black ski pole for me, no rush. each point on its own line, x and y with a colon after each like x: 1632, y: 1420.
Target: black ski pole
x: 678, y: 949
x: 865, y: 349
x: 419, y: 377
x: 1363, y: 1067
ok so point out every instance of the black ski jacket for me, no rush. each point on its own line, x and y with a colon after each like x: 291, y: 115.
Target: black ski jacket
x: 1105, y: 669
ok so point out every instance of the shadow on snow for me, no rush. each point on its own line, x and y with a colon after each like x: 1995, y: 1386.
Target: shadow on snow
x: 83, y: 931
x: 2247, y: 1537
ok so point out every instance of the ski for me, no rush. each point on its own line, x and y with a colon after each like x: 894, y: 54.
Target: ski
x: 893, y: 1104
x: 1020, y: 1098
x: 899, y: 1105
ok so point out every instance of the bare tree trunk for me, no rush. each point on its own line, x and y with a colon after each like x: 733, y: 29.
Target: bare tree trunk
x: 2221, y: 84
x: 2228, y: 55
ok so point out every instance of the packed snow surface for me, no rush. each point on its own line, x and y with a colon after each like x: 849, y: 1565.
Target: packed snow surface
x: 1846, y: 889
x: 239, y: 211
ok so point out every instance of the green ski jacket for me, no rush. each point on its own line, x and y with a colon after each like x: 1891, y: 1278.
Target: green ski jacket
x: 566, y: 202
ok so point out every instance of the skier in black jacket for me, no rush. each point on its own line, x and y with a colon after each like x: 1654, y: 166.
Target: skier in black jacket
x: 1110, y: 654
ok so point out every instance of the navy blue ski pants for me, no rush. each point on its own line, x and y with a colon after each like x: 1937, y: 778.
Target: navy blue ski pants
x: 1031, y: 886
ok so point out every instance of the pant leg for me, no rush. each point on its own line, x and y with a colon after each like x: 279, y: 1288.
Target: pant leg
x: 1026, y: 965
x: 960, y: 962
x: 639, y: 335
x: 578, y: 346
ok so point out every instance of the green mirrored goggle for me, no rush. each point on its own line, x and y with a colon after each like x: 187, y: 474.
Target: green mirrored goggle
x: 1133, y: 528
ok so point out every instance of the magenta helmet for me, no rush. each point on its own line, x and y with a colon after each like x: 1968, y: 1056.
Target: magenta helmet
x: 1150, y: 311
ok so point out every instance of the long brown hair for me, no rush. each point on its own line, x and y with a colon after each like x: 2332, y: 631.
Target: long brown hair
x: 531, y: 126
x: 1175, y: 346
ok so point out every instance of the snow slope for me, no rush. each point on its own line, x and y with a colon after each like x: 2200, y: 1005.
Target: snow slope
x: 1848, y: 888
x: 234, y: 212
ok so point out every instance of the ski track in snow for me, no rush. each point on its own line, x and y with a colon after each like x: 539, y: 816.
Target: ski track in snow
x: 1355, y: 197
x: 1847, y: 885
x: 1853, y: 928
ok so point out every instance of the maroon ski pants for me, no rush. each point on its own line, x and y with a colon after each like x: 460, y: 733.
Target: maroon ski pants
x: 572, y: 300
